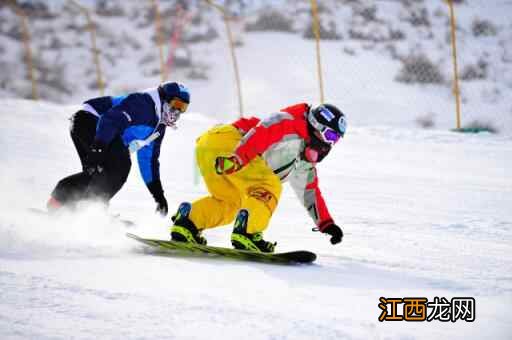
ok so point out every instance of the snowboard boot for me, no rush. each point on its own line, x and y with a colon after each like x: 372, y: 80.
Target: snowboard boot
x: 184, y: 230
x: 240, y: 239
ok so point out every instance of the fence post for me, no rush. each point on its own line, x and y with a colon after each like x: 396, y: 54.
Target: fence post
x: 95, y: 52
x: 316, y: 31
x: 233, y: 55
x: 182, y: 20
x: 28, y: 50
x: 159, y: 40
x: 456, y: 89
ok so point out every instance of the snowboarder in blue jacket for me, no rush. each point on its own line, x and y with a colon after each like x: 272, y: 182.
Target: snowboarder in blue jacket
x: 106, y: 129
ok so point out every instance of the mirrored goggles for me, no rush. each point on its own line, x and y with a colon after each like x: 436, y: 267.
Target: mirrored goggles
x: 178, y: 104
x: 330, y: 136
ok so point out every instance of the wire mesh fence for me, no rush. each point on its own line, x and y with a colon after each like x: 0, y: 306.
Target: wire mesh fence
x: 380, y: 58
x: 484, y: 36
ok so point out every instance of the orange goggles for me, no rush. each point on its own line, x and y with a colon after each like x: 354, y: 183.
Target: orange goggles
x: 178, y: 104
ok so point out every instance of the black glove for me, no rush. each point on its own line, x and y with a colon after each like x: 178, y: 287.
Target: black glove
x: 95, y: 160
x: 335, y: 232
x: 156, y: 190
x: 161, y: 206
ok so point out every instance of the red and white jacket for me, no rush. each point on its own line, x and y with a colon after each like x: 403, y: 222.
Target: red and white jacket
x: 280, y: 140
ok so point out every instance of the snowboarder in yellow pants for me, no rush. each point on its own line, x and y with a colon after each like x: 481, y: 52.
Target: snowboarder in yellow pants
x: 255, y: 188
x: 243, y: 165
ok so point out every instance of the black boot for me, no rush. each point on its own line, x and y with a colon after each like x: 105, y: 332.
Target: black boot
x: 184, y: 229
x: 240, y: 239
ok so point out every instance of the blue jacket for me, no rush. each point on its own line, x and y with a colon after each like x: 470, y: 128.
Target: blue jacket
x: 132, y: 117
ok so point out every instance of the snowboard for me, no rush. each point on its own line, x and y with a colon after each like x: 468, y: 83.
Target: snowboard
x: 117, y: 218
x: 292, y: 257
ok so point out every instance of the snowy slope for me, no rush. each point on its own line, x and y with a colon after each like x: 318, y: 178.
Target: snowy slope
x: 426, y: 213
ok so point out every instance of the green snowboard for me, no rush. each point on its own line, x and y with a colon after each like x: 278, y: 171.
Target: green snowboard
x: 292, y: 257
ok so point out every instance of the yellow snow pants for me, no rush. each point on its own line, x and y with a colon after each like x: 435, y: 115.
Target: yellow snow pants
x: 255, y: 187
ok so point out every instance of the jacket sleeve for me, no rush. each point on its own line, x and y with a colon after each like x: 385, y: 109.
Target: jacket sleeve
x: 245, y: 124
x: 132, y: 110
x: 304, y: 181
x: 112, y: 123
x: 100, y: 104
x: 148, y: 159
x: 265, y: 134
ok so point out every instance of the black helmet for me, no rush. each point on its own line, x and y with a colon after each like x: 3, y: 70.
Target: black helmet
x: 328, y: 123
x: 175, y: 99
x: 171, y: 90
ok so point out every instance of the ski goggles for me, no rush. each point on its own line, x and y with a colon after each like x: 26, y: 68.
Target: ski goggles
x: 178, y: 104
x: 328, y: 135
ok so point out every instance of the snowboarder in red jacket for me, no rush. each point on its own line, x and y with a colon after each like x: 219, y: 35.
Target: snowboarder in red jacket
x: 243, y: 165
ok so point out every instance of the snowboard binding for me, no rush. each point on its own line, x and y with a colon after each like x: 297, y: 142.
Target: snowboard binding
x: 242, y: 240
x: 184, y: 230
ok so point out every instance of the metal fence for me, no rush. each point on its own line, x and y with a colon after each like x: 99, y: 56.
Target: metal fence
x: 435, y: 60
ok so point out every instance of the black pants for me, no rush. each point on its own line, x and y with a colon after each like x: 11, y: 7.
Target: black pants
x: 102, y: 186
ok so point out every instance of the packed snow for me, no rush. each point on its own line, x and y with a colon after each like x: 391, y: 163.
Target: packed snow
x: 426, y: 213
